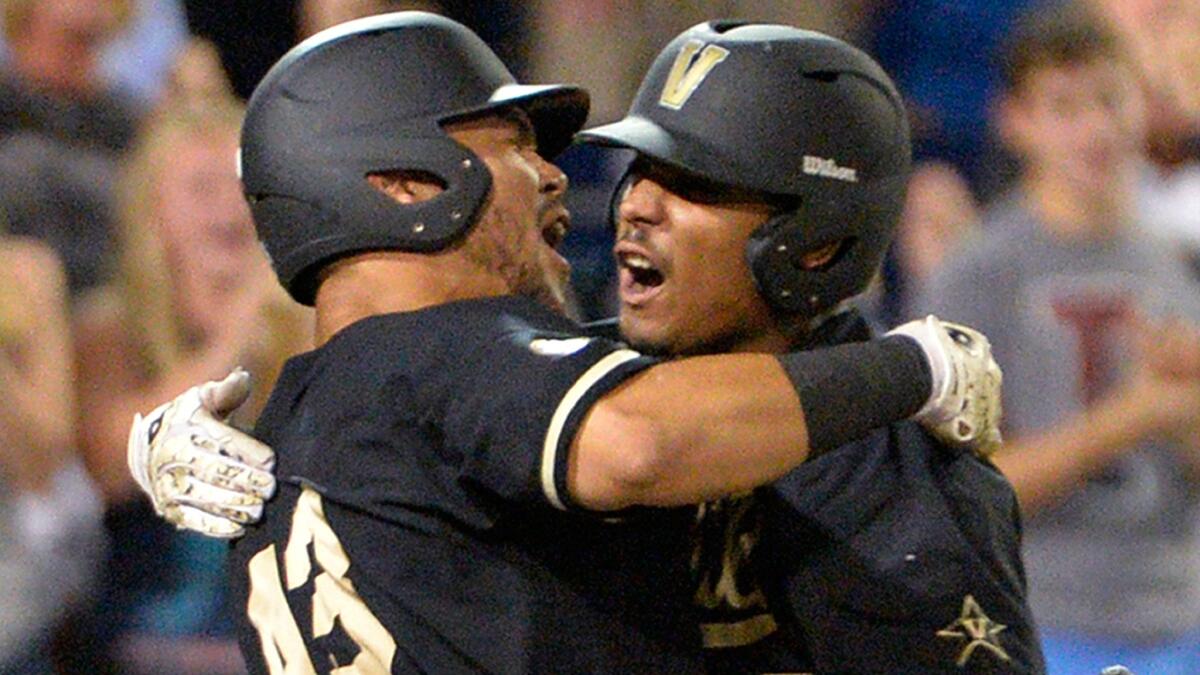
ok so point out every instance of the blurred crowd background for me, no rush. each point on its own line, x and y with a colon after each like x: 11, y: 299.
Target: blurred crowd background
x: 129, y: 271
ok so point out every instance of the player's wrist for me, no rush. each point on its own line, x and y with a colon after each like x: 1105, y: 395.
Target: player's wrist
x: 848, y: 390
x: 926, y: 334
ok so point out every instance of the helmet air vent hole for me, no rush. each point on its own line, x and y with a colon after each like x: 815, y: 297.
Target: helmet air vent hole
x: 725, y: 25
x: 823, y: 75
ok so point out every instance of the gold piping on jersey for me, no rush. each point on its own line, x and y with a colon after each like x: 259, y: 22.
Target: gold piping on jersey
x: 576, y: 393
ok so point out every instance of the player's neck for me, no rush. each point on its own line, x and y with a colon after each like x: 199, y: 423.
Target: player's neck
x: 386, y: 282
x: 771, y: 341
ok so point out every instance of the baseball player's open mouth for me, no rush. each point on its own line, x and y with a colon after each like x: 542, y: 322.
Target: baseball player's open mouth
x: 639, y: 279
x: 642, y: 270
x: 554, y: 232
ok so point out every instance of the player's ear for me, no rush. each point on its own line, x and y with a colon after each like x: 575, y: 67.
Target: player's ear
x: 407, y: 187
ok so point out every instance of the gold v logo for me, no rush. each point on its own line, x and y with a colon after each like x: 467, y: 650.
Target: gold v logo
x: 689, y: 71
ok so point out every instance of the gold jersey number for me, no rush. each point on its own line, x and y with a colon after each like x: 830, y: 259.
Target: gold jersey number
x: 333, y: 598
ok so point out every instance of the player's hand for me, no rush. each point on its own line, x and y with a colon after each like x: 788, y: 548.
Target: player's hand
x: 200, y: 473
x: 964, y: 407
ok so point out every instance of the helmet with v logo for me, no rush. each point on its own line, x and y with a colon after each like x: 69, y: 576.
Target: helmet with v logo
x: 786, y: 113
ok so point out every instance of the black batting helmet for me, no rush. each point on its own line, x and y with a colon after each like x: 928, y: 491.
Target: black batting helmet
x: 785, y: 112
x: 371, y: 96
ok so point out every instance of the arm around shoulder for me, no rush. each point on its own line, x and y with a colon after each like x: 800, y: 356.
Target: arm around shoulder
x: 688, y: 430
x: 695, y: 429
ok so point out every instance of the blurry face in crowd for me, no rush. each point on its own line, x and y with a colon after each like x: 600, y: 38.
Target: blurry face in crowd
x: 61, y: 43
x: 204, y: 222
x: 684, y: 284
x: 1078, y: 123
x: 317, y: 15
x: 524, y: 218
x: 1163, y: 36
x: 939, y: 210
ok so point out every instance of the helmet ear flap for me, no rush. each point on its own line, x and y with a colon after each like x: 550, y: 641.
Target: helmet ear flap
x: 371, y: 96
x: 802, y: 272
x: 773, y: 256
x: 284, y: 209
x: 304, y: 226
x: 780, y: 253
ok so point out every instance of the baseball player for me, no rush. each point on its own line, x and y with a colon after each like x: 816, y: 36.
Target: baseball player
x: 895, y: 553
x: 464, y: 474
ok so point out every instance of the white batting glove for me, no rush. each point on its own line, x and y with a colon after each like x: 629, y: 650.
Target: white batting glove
x: 964, y: 407
x: 200, y: 473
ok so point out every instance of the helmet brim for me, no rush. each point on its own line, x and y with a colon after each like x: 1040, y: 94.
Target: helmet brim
x: 557, y: 111
x: 634, y: 133
x: 650, y: 140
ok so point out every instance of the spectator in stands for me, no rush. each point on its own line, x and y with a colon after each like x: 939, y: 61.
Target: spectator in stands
x: 52, y: 84
x: 191, y: 277
x: 317, y: 15
x: 61, y: 129
x: 50, y: 535
x: 137, y: 60
x: 940, y: 214
x: 61, y: 195
x: 1164, y: 38
x: 1096, y: 327
x: 196, y: 78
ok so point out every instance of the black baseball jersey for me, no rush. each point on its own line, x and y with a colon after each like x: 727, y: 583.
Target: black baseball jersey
x: 892, y: 554
x: 423, y: 522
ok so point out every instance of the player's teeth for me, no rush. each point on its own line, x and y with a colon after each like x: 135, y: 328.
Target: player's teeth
x: 638, y: 262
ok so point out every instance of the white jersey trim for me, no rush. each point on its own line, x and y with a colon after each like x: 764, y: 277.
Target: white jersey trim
x: 559, y: 420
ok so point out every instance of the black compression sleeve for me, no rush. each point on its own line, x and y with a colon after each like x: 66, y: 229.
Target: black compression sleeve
x: 848, y: 390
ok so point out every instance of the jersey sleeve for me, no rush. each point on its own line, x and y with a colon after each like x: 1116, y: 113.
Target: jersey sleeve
x: 513, y: 418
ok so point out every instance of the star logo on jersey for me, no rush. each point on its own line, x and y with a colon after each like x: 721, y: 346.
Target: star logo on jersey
x: 977, y: 630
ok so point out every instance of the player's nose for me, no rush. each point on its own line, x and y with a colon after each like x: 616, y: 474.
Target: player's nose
x: 641, y: 203
x: 554, y: 181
